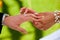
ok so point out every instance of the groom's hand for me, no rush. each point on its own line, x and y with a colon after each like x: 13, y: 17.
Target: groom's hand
x: 14, y: 22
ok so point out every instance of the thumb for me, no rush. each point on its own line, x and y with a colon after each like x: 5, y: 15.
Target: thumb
x: 20, y: 29
x: 22, y: 10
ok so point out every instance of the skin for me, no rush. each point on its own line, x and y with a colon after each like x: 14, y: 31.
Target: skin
x: 14, y: 22
x: 44, y: 20
x: 41, y: 21
x: 47, y: 19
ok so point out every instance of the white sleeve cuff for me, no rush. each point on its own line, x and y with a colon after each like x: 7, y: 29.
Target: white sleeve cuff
x: 5, y: 15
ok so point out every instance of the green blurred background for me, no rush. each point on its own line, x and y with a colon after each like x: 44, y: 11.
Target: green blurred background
x: 12, y: 7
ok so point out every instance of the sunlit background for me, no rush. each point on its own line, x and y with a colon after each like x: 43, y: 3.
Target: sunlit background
x: 12, y: 7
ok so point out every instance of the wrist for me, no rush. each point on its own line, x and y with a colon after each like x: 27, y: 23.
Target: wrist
x: 3, y: 19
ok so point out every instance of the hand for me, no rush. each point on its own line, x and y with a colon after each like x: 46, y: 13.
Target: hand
x: 25, y: 10
x: 47, y: 19
x: 44, y: 20
x: 14, y: 22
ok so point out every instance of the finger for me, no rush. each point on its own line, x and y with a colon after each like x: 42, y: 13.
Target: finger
x: 22, y: 10
x: 31, y: 11
x: 33, y: 15
x: 20, y: 29
x: 34, y: 19
x: 37, y: 14
x: 38, y: 25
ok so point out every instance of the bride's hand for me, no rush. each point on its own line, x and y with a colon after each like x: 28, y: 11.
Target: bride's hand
x: 46, y: 20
